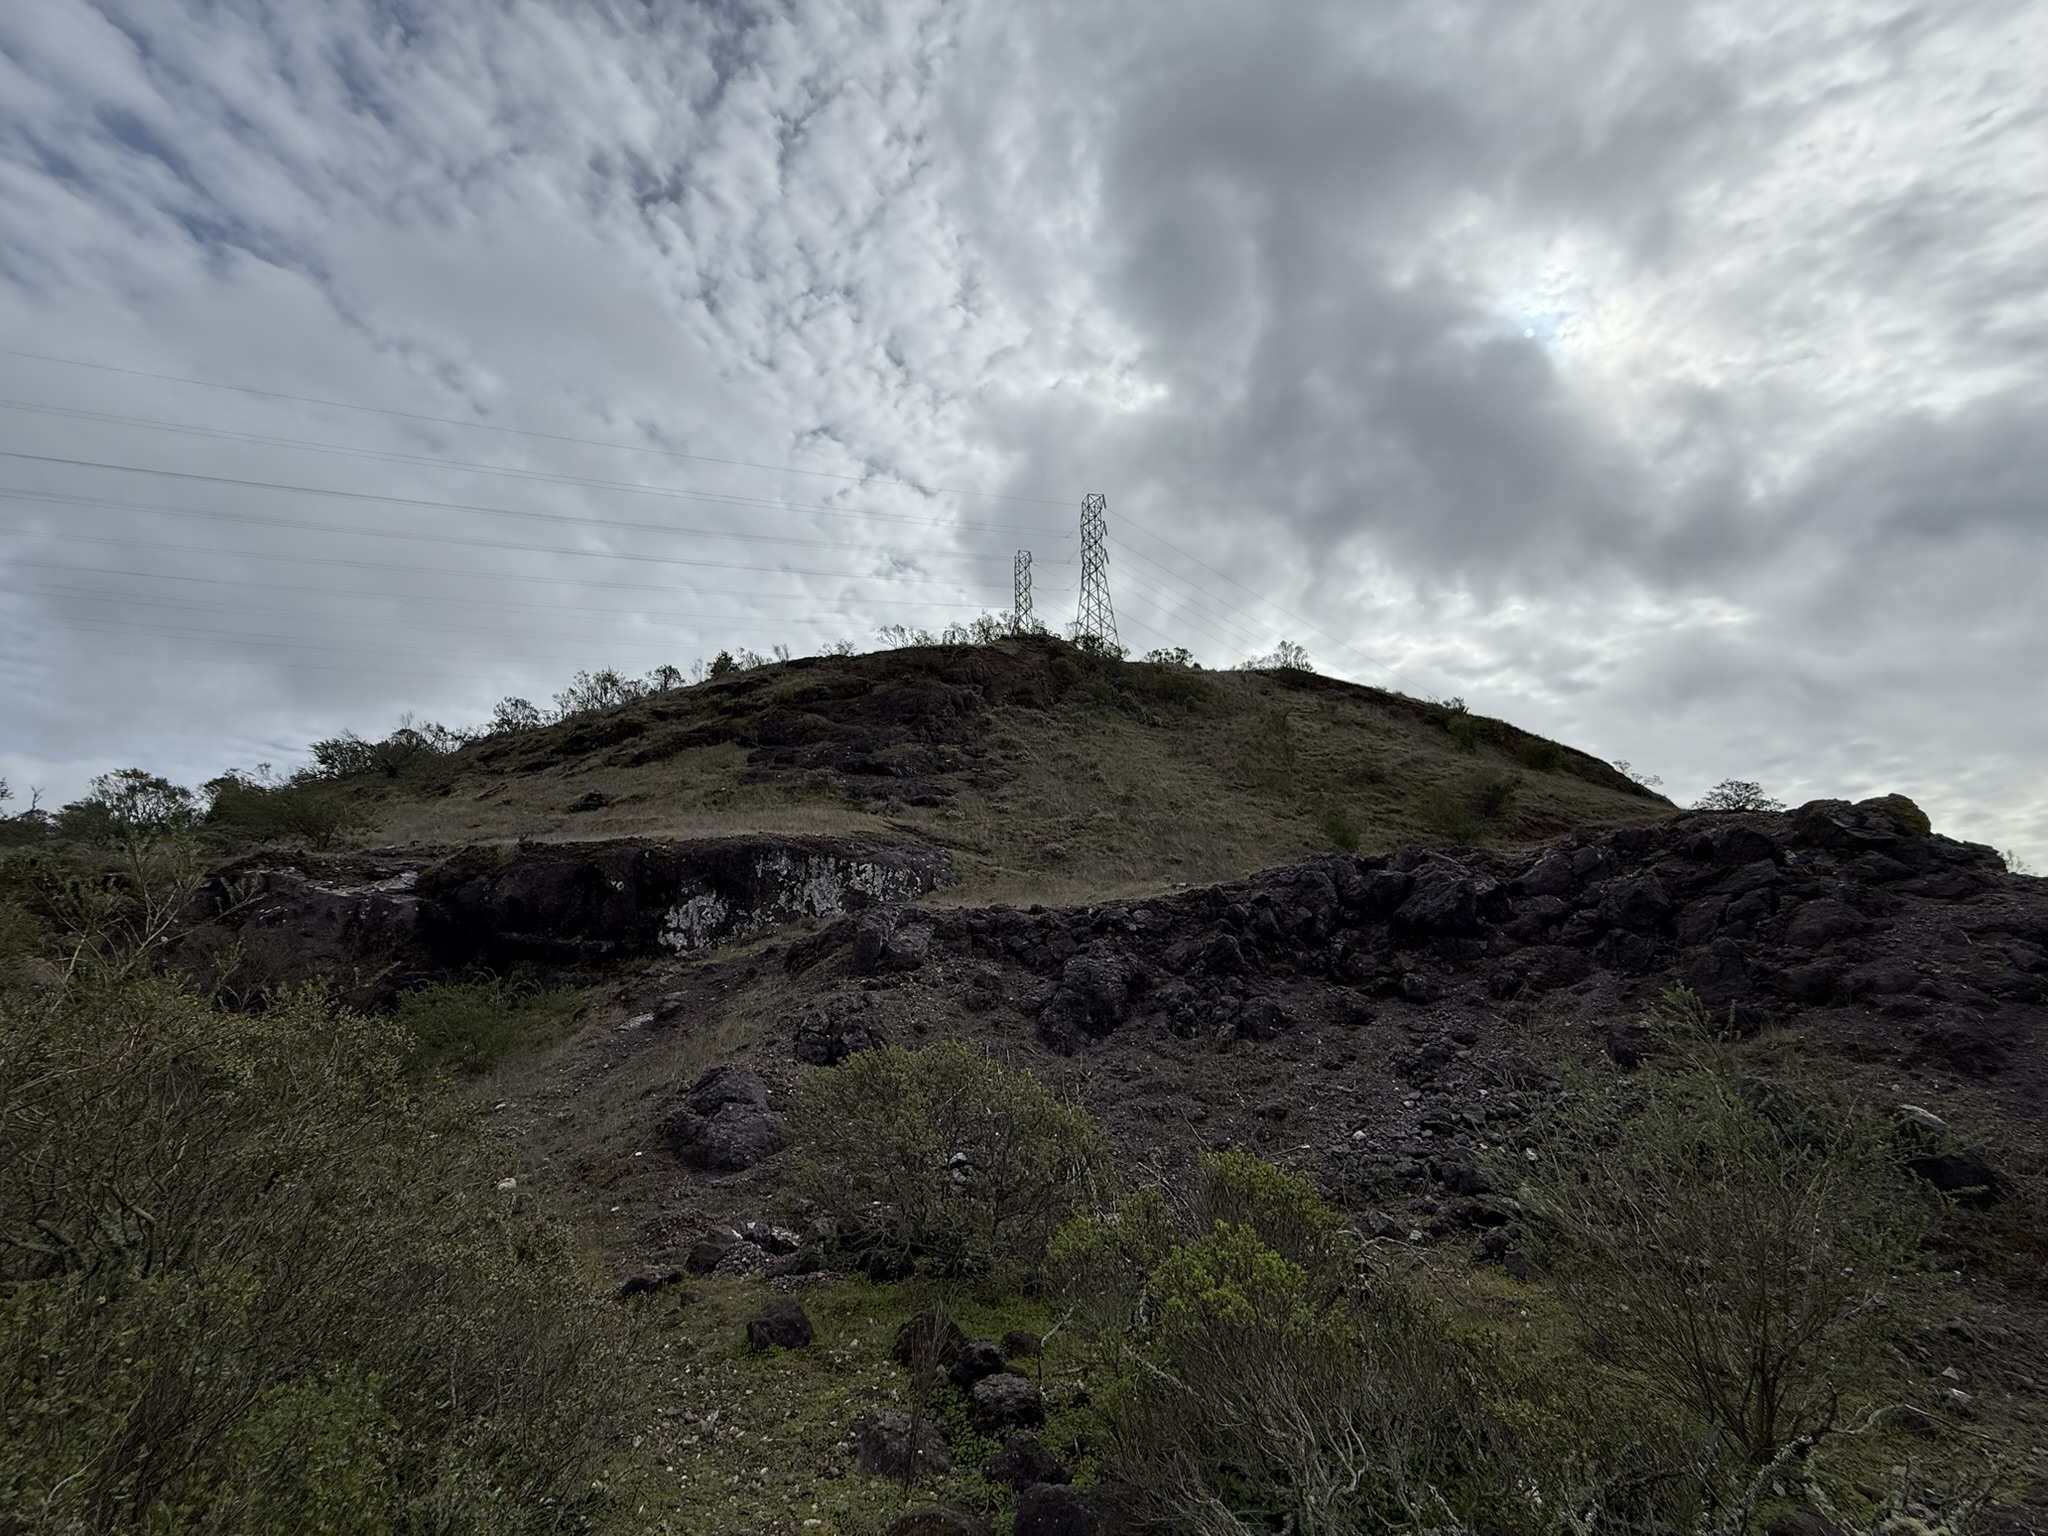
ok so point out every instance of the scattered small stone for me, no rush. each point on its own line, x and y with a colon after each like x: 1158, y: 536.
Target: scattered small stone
x: 938, y: 1522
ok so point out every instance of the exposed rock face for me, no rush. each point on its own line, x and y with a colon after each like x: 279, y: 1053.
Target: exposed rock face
x: 593, y: 901
x: 400, y: 919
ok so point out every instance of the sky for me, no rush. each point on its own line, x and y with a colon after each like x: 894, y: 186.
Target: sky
x: 1671, y: 379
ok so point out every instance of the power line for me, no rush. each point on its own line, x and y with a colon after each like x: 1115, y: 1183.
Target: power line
x: 1285, y: 613
x: 444, y: 597
x: 577, y: 581
x: 429, y: 622
x: 435, y: 461
x: 409, y: 536
x: 553, y: 437
x: 465, y: 506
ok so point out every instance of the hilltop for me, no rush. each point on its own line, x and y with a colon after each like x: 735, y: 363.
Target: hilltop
x: 1047, y: 771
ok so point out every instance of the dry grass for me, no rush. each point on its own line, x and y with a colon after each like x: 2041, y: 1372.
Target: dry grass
x: 1082, y: 801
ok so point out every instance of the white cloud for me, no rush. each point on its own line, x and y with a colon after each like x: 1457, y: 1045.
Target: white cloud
x: 1658, y: 375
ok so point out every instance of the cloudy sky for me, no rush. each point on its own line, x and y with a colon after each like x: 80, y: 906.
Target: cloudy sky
x: 1670, y: 378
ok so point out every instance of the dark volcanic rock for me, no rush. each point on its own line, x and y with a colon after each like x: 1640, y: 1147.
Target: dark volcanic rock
x: 1023, y: 1461
x: 1004, y: 1402
x: 781, y: 1324
x: 886, y: 1444
x: 1051, y: 1509
x: 1089, y: 1002
x: 727, y: 1125
x: 556, y: 902
x: 828, y: 1038
x: 1814, y: 923
x: 1966, y: 1177
x: 978, y: 1359
x: 1444, y: 900
x: 938, y: 1521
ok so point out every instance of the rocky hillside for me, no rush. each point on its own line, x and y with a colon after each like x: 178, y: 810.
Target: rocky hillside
x: 1381, y: 944
x: 1046, y: 772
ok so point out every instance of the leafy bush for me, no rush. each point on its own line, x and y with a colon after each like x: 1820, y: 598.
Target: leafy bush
x: 942, y: 1155
x: 244, y: 808
x: 589, y: 692
x: 1537, y: 753
x: 514, y: 715
x: 470, y: 1025
x: 249, y: 1281
x: 1250, y: 1386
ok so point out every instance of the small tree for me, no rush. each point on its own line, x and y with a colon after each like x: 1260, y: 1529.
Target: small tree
x: 1736, y: 795
x: 513, y: 715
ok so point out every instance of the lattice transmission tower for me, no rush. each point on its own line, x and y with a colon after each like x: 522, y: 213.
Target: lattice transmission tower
x: 1096, y: 620
x: 1020, y: 605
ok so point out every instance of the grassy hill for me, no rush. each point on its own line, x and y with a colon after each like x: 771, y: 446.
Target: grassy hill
x: 1051, y: 774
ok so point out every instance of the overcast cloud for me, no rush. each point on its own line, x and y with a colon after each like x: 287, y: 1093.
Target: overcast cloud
x: 1669, y: 378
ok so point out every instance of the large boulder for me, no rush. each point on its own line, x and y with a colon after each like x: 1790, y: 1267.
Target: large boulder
x: 1005, y: 1402
x: 726, y: 1125
x: 1444, y: 900
x: 887, y: 1443
x: 781, y: 1324
x: 1089, y: 1002
x: 1022, y: 1462
x: 1052, y: 1509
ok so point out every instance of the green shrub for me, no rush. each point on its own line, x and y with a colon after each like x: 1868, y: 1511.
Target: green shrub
x: 472, y: 1024
x: 250, y: 1281
x: 1537, y: 753
x: 1247, y: 1391
x: 310, y: 814
x: 942, y: 1155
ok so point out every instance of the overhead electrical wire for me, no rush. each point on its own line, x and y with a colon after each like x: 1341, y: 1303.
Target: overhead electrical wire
x: 440, y: 597
x: 410, y: 536
x: 378, y: 565
x: 553, y: 437
x: 675, y: 531
x: 634, y: 487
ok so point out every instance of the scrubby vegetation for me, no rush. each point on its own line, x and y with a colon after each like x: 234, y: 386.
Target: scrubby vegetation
x: 251, y: 1279
x: 943, y: 1157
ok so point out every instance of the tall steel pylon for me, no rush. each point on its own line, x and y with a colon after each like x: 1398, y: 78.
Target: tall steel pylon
x: 1096, y: 619
x: 1020, y: 604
